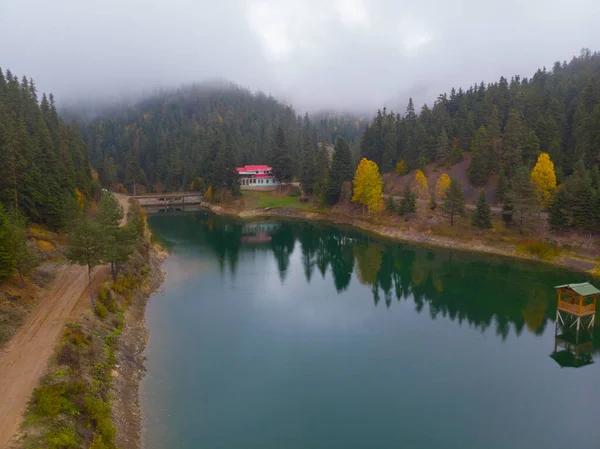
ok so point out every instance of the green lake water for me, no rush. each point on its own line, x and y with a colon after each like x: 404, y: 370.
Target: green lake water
x: 297, y: 336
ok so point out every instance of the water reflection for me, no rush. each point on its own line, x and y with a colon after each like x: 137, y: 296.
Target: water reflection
x: 484, y: 292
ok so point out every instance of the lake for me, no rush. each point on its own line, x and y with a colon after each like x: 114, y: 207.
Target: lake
x: 285, y: 335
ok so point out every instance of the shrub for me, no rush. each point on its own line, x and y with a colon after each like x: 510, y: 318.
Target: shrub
x: 101, y: 310
x: 538, y: 249
x: 62, y: 437
x: 294, y: 191
x: 68, y: 354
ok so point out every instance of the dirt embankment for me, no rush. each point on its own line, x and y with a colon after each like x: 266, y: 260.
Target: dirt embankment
x: 25, y: 359
x: 392, y: 232
x: 130, y: 368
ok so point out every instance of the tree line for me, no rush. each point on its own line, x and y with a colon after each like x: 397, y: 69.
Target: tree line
x: 44, y: 166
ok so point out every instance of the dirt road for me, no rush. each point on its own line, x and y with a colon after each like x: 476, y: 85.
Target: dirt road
x: 26, y: 358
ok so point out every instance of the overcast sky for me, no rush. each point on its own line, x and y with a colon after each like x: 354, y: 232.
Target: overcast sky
x: 340, y: 54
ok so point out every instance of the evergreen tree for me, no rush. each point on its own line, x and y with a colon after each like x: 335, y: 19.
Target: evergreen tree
x: 558, y: 217
x: 479, y: 170
x: 508, y: 208
x: 442, y: 148
x: 408, y: 203
x: 281, y: 159
x: 454, y: 200
x: 523, y: 195
x: 389, y: 144
x: 307, y: 170
x: 512, y: 142
x: 87, y: 246
x: 25, y: 259
x: 501, y: 188
x: 7, y: 254
x: 482, y: 217
x: 340, y: 172
x: 321, y: 172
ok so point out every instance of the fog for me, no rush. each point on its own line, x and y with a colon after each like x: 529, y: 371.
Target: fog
x: 354, y: 55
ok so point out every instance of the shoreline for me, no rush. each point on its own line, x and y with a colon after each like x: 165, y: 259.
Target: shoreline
x: 130, y: 365
x: 400, y: 235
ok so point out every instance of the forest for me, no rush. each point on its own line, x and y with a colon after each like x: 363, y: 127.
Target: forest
x: 45, y: 173
x: 506, y: 126
x: 168, y: 140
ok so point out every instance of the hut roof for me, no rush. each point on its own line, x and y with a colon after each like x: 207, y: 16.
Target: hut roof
x: 583, y: 289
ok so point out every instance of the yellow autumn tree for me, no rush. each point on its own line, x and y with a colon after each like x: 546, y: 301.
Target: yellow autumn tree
x: 544, y: 179
x: 368, y: 186
x: 441, y: 186
x: 80, y: 198
x: 401, y: 168
x: 420, y: 186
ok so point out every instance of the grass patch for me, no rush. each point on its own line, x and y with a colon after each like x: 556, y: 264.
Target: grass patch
x: 272, y: 199
x: 541, y: 250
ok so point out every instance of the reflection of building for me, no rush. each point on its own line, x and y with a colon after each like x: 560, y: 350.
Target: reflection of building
x: 575, y: 316
x: 258, y: 232
x: 257, y: 177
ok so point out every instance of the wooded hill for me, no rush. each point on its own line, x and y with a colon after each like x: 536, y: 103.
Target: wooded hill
x: 506, y: 125
x: 168, y: 140
x: 44, y: 166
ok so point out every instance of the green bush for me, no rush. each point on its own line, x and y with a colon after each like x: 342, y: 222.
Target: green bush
x: 61, y: 437
x: 101, y: 310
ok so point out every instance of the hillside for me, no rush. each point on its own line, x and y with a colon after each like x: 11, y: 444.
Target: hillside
x: 166, y: 141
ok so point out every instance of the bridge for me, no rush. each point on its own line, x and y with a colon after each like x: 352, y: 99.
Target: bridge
x: 169, y: 199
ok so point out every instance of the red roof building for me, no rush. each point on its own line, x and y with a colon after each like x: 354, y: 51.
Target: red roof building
x: 257, y: 177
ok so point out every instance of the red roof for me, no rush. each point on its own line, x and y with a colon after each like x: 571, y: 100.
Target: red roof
x: 255, y: 168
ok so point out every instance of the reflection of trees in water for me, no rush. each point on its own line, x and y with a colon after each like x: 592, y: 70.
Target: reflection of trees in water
x: 282, y: 244
x: 481, y: 291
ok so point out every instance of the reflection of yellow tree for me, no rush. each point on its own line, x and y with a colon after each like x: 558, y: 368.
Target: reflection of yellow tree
x: 420, y: 270
x: 438, y: 283
x: 534, y: 312
x: 368, y: 262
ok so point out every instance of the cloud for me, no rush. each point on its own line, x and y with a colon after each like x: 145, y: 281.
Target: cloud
x: 351, y: 54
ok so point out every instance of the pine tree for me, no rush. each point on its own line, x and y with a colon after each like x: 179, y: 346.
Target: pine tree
x: 454, y: 200
x: 368, y: 186
x: 408, y: 203
x: 389, y: 144
x: 442, y: 148
x: 119, y: 242
x: 512, y: 142
x: 281, y: 159
x: 25, y: 259
x: 479, y: 172
x: 340, y: 172
x: 321, y: 172
x: 87, y: 246
x: 558, y: 216
x: 508, y: 208
x: 523, y: 194
x: 307, y: 170
x: 501, y: 188
x: 482, y: 217
x: 7, y: 254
